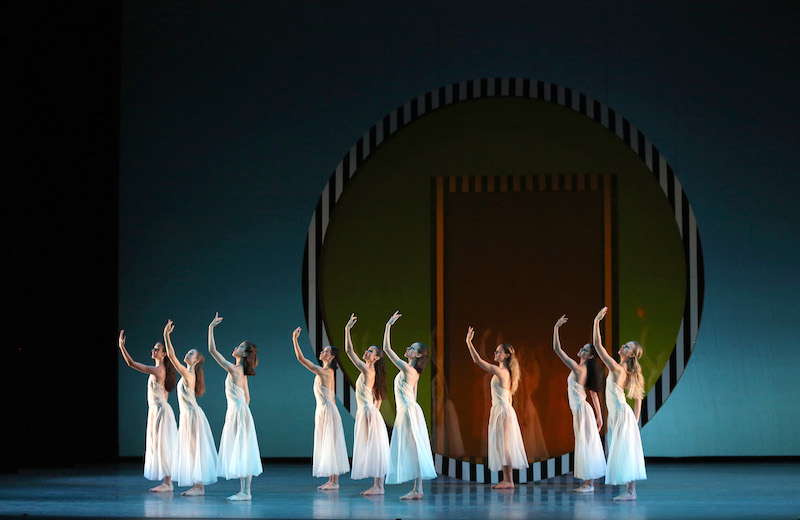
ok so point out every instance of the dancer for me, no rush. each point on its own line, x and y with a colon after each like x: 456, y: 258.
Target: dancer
x: 585, y: 375
x: 506, y: 450
x: 238, y: 447
x: 161, y: 430
x: 410, y: 455
x: 330, y: 450
x: 370, y: 442
x: 625, y: 456
x: 195, y: 460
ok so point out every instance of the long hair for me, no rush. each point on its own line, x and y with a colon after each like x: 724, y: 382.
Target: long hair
x: 379, y: 385
x: 512, y: 364
x: 635, y: 383
x: 250, y: 361
x: 594, y: 372
x: 424, y: 357
x: 170, y: 374
x: 199, y: 382
x: 335, y: 360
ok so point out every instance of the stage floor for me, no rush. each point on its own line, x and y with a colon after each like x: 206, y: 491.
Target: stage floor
x: 672, y: 491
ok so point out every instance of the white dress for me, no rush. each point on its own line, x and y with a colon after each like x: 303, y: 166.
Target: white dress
x: 330, y: 450
x: 238, y: 447
x: 161, y: 432
x: 371, y: 441
x: 625, y: 456
x: 410, y: 451
x: 590, y: 461
x: 195, y: 459
x: 505, y: 439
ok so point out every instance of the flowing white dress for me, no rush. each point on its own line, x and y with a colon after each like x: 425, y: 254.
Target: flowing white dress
x: 371, y: 441
x: 625, y: 456
x: 590, y: 461
x: 410, y: 451
x: 238, y: 447
x: 505, y: 439
x: 161, y: 432
x: 195, y: 459
x: 330, y: 450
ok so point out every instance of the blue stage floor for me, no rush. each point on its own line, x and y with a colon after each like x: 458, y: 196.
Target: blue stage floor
x: 673, y: 491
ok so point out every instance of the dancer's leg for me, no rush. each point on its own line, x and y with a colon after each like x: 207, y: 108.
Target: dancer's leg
x: 629, y: 494
x: 164, y: 487
x: 416, y: 493
x: 508, y: 479
x: 244, y: 489
x: 587, y: 487
x: 195, y: 491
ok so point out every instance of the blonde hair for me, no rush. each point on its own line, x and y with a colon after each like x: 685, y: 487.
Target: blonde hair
x: 512, y: 365
x: 635, y: 382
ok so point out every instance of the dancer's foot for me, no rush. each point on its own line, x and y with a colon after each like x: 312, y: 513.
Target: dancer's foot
x: 504, y: 485
x: 328, y: 486
x: 162, y: 488
x: 625, y: 496
x: 412, y: 495
x: 239, y: 497
x: 584, y: 489
x: 374, y: 490
x: 194, y: 491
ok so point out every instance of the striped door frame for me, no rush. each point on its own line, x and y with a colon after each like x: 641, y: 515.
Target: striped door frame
x: 448, y: 95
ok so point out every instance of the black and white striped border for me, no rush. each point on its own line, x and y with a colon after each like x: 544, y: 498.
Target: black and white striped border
x: 431, y: 101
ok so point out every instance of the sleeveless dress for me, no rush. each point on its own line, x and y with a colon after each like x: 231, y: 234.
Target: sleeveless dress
x: 161, y: 432
x: 505, y: 439
x: 371, y: 441
x: 330, y: 450
x: 410, y: 451
x: 195, y: 459
x: 625, y: 456
x: 590, y: 461
x: 238, y: 447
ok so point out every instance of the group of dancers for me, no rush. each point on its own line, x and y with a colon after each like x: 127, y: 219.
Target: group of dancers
x: 193, y: 460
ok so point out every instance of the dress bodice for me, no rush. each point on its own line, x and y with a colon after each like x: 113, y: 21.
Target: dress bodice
x: 404, y: 394
x: 500, y: 395
x: 576, y: 393
x: 322, y: 394
x: 186, y: 398
x: 156, y: 393
x: 234, y: 394
x: 364, y: 395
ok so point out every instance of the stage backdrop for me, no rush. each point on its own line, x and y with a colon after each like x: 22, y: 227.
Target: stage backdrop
x: 235, y: 117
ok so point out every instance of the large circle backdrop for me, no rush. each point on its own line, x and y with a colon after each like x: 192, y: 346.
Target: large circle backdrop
x: 502, y: 204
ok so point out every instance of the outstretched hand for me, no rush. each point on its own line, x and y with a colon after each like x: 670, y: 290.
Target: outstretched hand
x: 396, y: 316
x: 351, y: 322
x: 169, y: 327
x: 216, y: 321
x: 601, y: 314
x: 562, y: 320
x: 122, y: 339
x: 470, y: 334
x: 296, y: 332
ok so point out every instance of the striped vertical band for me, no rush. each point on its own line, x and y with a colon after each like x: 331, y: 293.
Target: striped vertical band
x: 441, y: 97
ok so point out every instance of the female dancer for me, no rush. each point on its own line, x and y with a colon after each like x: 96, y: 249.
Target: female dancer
x: 238, y: 447
x: 625, y: 457
x: 330, y: 451
x: 371, y: 442
x: 506, y: 450
x: 195, y: 459
x: 161, y: 429
x: 410, y: 455
x: 590, y: 462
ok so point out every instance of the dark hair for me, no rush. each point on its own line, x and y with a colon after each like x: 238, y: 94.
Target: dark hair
x: 170, y: 374
x: 423, y: 358
x: 250, y: 361
x: 594, y: 372
x: 379, y: 385
x: 335, y: 360
x: 199, y: 382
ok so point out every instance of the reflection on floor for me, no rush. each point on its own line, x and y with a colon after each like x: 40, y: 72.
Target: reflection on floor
x: 673, y: 490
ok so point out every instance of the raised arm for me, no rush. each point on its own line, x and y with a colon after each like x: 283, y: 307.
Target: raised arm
x: 476, y: 358
x: 141, y: 367
x: 348, y: 345
x: 387, y: 345
x: 301, y: 358
x: 212, y: 346
x: 605, y: 357
x: 598, y: 412
x: 571, y: 364
x: 182, y: 370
